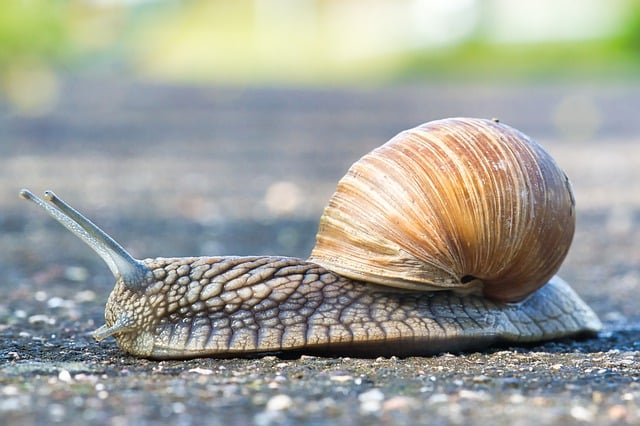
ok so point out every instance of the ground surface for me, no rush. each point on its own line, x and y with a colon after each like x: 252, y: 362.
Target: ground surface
x: 188, y: 171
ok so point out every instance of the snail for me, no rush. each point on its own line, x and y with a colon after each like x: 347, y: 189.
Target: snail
x: 445, y: 239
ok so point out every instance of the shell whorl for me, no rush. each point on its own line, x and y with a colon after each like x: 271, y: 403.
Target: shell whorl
x: 457, y: 204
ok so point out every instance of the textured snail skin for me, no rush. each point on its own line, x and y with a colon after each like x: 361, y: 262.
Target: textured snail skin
x: 468, y: 206
x: 235, y: 306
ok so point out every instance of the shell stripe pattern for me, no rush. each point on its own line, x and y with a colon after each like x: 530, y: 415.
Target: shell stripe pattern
x: 467, y: 205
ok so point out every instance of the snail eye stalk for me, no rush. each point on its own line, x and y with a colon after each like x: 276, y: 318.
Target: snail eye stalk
x: 119, y: 261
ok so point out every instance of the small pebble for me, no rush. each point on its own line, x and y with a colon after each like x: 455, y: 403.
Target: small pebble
x: 399, y: 403
x: 59, y: 302
x: 473, y: 395
x: 279, y: 403
x: 101, y: 391
x: 516, y: 398
x: 628, y: 396
x: 40, y: 296
x: 371, y: 401
x: 42, y: 319
x: 202, y: 371
x: 617, y: 412
x: 438, y: 398
x: 84, y: 296
x: 341, y: 378
x: 371, y: 395
x: 277, y: 382
x: 9, y: 390
x: 581, y: 414
x: 65, y: 376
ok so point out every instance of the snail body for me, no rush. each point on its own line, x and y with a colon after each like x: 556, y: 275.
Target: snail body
x: 470, y: 206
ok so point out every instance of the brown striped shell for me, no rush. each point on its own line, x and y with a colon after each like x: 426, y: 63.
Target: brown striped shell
x: 457, y: 204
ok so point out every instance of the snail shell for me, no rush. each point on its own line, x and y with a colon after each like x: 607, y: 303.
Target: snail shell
x: 458, y: 204
x: 466, y: 205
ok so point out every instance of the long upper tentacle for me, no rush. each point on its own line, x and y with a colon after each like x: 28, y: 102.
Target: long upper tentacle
x: 120, y: 262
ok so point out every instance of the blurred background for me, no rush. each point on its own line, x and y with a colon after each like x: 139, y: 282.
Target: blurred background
x: 208, y: 126
x: 311, y: 42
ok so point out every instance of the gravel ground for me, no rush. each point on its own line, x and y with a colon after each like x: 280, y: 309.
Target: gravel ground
x: 179, y: 171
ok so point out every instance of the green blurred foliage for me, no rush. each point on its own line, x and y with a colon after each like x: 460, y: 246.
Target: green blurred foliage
x: 629, y: 36
x: 261, y: 41
x: 600, y: 59
x: 33, y: 29
x: 218, y: 41
x: 41, y: 39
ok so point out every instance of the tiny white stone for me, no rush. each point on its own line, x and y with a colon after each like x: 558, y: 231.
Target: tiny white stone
x: 64, y: 376
x: 371, y: 401
x: 9, y: 390
x: 41, y: 319
x: 341, y: 378
x: 473, y: 395
x: 279, y: 403
x: 203, y: 371
x: 581, y: 414
x: 374, y: 394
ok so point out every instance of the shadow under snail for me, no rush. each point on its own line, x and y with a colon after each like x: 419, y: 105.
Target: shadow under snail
x: 469, y: 206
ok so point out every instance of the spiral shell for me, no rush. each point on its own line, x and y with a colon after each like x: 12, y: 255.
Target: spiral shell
x: 461, y: 204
